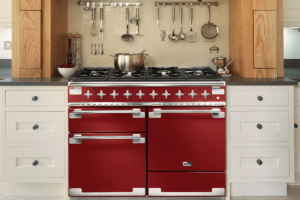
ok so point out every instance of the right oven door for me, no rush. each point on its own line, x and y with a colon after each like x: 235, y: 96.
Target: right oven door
x: 187, y: 139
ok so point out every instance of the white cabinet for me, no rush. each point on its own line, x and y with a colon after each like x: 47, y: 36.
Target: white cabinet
x: 260, y: 139
x: 297, y: 130
x: 6, y: 13
x: 34, y: 131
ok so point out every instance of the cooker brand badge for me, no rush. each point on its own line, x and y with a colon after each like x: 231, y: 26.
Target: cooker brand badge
x: 187, y: 164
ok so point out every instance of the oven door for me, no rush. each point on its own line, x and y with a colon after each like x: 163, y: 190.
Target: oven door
x: 187, y: 139
x: 104, y: 165
x: 124, y: 120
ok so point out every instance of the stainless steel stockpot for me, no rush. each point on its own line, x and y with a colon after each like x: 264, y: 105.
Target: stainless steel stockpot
x: 129, y: 61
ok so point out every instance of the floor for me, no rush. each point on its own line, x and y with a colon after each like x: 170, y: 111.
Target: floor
x: 293, y: 194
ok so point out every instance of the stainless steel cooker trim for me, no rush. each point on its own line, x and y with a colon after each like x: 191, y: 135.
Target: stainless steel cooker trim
x: 148, y: 84
x: 77, y: 113
x: 182, y: 104
x: 216, y: 192
x: 216, y: 113
x: 136, y: 138
x: 77, y: 192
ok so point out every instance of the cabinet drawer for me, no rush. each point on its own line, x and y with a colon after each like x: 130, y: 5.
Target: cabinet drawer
x: 244, y: 162
x: 35, y: 98
x: 250, y: 97
x: 19, y: 162
x: 35, y: 126
x: 187, y: 184
x: 259, y: 126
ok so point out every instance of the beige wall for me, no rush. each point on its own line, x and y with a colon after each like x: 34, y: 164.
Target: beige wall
x: 291, y: 13
x: 168, y: 53
x: 5, y: 13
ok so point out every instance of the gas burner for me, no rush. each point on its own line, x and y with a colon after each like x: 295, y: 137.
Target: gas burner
x: 118, y: 75
x: 201, y: 74
x: 91, y: 74
x: 165, y: 74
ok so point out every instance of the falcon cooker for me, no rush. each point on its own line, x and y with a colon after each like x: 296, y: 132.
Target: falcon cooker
x: 159, y: 132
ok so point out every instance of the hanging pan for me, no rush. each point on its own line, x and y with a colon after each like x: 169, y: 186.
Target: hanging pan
x: 209, y: 31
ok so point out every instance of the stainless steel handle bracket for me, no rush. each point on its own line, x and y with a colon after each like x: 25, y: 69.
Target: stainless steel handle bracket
x: 136, y: 113
x: 216, y: 113
x: 77, y: 138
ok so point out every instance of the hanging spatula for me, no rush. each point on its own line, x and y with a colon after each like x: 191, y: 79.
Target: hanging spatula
x: 191, y: 36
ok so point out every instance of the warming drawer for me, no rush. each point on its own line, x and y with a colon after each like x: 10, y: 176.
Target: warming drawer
x: 124, y: 120
x: 107, y: 165
x: 187, y: 139
x: 186, y: 184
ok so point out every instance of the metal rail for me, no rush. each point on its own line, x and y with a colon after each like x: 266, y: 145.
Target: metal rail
x: 111, y: 4
x: 186, y: 3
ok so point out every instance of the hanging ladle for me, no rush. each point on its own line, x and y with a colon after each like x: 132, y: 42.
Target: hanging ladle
x: 127, y: 36
x: 173, y: 36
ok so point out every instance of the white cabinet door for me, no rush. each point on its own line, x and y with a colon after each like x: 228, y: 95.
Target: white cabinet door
x: 297, y: 139
x: 266, y: 126
x: 35, y: 126
x: 259, y: 162
x: 34, y: 162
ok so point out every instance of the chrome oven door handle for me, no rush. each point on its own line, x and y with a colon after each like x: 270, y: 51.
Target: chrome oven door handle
x: 77, y: 192
x: 136, y: 113
x: 77, y: 138
x: 216, y: 113
x: 216, y: 192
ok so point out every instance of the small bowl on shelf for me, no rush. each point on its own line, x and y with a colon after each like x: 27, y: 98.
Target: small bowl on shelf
x: 67, y: 72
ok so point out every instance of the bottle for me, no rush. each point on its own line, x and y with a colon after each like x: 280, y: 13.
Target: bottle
x: 77, y: 51
x: 70, y: 50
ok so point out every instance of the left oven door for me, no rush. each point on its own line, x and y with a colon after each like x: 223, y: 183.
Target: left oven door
x: 104, y: 120
x: 107, y: 165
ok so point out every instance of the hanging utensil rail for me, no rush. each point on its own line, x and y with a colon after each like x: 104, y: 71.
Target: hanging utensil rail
x: 112, y: 4
x: 187, y: 3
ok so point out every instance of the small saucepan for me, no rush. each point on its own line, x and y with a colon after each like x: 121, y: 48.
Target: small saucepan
x: 209, y: 31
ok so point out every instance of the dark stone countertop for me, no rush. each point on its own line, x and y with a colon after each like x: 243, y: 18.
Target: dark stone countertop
x: 239, y: 80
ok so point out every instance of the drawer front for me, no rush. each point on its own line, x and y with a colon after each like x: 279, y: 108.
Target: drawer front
x: 35, y: 126
x: 35, y: 98
x: 257, y: 97
x: 259, y: 162
x: 178, y: 184
x: 20, y: 162
x: 107, y: 120
x: 259, y: 126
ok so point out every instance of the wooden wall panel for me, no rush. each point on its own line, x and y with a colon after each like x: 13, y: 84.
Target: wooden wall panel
x: 265, y: 39
x: 54, y: 36
x: 280, y: 40
x: 30, y: 73
x: 265, y: 73
x: 30, y: 39
x: 248, y: 40
x: 15, y: 38
x: 31, y: 4
x: 264, y: 4
x: 236, y: 37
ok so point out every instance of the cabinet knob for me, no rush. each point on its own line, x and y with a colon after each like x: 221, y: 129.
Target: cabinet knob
x: 259, y: 126
x: 259, y: 162
x: 260, y: 98
x: 35, y: 163
x: 35, y: 127
x: 295, y: 125
x: 35, y: 98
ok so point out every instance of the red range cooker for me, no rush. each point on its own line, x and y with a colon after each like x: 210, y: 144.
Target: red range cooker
x: 146, y: 138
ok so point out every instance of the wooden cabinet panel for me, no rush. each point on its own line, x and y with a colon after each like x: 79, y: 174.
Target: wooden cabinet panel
x: 265, y: 39
x: 30, y: 39
x: 30, y: 5
x: 265, y: 73
x: 264, y: 4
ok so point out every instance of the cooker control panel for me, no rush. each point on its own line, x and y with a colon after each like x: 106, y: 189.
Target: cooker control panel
x: 147, y: 94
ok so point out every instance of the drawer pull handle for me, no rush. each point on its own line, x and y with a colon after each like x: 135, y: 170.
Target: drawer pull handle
x: 35, y: 163
x: 259, y: 126
x: 260, y: 98
x: 35, y: 98
x: 295, y: 125
x: 35, y: 127
x: 77, y: 138
x: 259, y: 162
